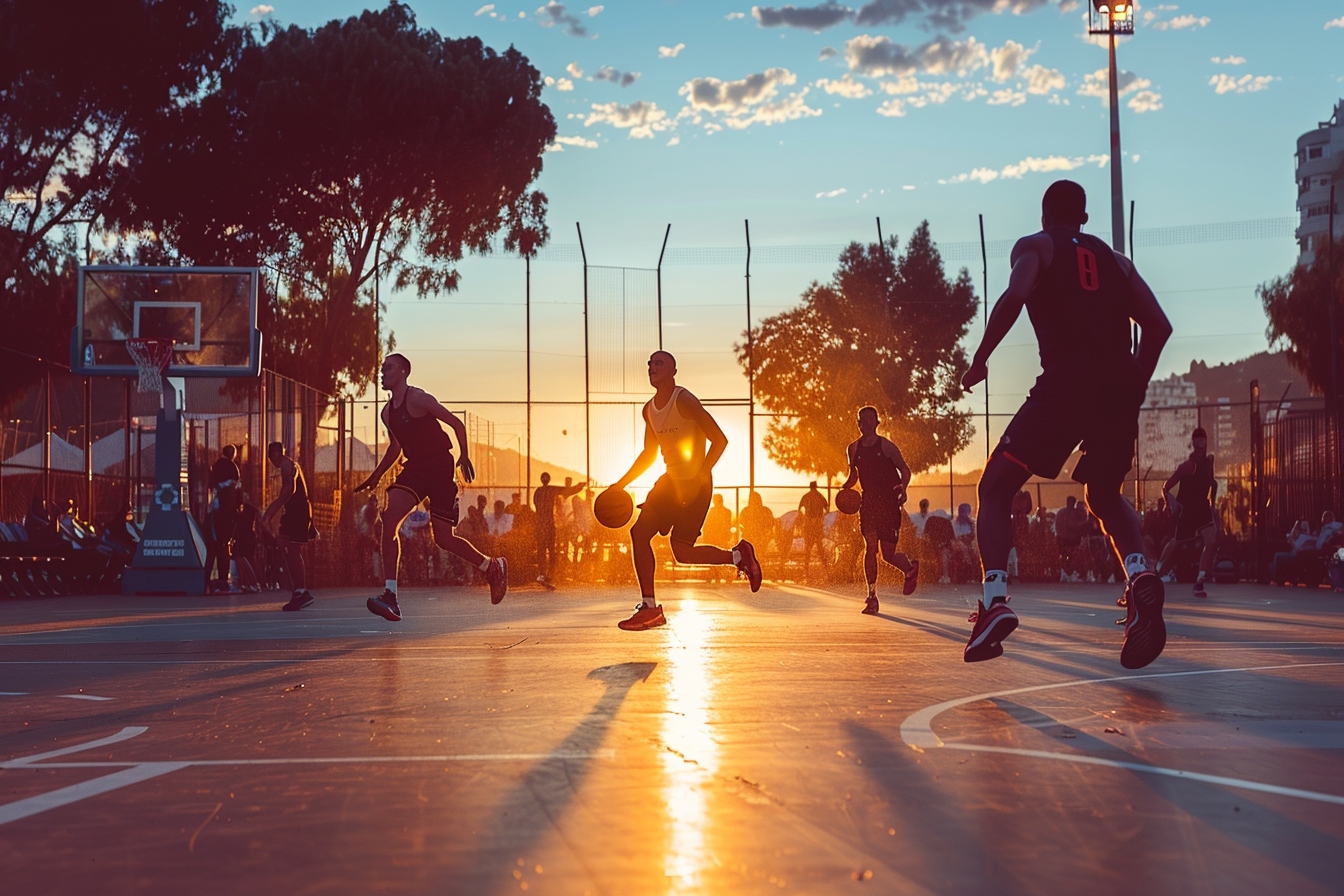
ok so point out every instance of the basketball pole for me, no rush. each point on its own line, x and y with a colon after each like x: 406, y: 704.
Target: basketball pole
x: 661, y: 253
x: 587, y: 369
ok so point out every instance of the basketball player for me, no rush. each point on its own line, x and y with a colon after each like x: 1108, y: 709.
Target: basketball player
x: 1081, y: 297
x: 224, y: 479
x: 877, y: 464
x: 412, y: 419
x: 1194, y: 510
x: 677, y: 424
x: 296, y: 523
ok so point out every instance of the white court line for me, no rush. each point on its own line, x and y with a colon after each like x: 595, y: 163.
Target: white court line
x: 82, y: 697
x: 124, y: 734
x: 85, y: 789
x: 332, y: 760
x: 918, y: 734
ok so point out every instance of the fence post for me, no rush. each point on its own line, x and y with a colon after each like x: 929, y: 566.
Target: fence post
x: 1257, y: 479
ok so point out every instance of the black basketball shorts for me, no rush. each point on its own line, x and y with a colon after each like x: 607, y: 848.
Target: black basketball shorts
x: 432, y: 480
x: 678, y: 507
x: 1052, y: 422
x: 880, y: 517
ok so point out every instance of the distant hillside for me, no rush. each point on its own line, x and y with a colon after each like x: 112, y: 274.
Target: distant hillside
x: 1233, y: 380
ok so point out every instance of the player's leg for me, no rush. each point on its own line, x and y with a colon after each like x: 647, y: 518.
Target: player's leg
x: 641, y: 550
x: 689, y: 521
x: 401, y: 500
x: 993, y: 619
x: 870, y: 550
x: 1209, y: 535
x: 909, y: 568
x: 1168, y: 557
x: 1145, y: 629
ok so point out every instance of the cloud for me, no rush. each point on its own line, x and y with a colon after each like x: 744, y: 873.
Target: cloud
x: 615, y: 76
x: 553, y: 14
x: 594, y: 10
x: 1067, y: 5
x: 1335, y: 23
x: 1228, y: 60
x: 1041, y: 80
x: 1029, y: 165
x: 735, y: 15
x: 877, y: 56
x: 670, y: 52
x: 265, y: 9
x: 574, y: 70
x: 489, y: 7
x: 1008, y: 97
x: 641, y: 118
x: 827, y: 53
x: 751, y: 100
x: 1179, y: 22
x: 1006, y: 60
x: 1097, y: 85
x: 812, y: 18
x: 1225, y: 83
x: 938, y: 15
x: 561, y: 142
x: 564, y: 85
x: 831, y: 194
x: 846, y: 87
x: 892, y: 109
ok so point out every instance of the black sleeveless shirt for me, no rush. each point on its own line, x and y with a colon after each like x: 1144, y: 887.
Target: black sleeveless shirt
x: 421, y: 438
x: 1193, y: 489
x: 1080, y: 312
x: 877, y: 472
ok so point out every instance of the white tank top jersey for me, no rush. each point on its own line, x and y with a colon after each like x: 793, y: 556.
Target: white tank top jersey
x: 681, y: 440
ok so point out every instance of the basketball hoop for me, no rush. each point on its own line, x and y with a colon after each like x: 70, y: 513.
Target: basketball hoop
x: 152, y: 357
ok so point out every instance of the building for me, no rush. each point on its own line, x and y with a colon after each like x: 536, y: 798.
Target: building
x: 1320, y: 163
x: 1170, y: 414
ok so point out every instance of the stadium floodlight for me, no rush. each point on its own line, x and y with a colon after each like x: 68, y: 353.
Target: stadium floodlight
x: 1111, y: 17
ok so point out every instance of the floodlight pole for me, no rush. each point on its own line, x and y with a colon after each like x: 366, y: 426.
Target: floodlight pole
x: 527, y: 325
x: 751, y: 380
x: 587, y: 369
x: 661, y: 253
x: 1117, y: 181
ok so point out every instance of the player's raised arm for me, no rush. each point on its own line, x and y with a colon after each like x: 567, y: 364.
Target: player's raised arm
x: 643, y: 460
x: 1026, y: 268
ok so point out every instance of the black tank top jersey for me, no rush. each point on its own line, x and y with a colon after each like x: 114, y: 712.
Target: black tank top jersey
x: 421, y: 438
x: 1080, y: 310
x: 1193, y: 490
x: 877, y: 472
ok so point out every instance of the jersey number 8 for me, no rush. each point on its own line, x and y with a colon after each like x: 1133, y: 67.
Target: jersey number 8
x: 1088, y: 275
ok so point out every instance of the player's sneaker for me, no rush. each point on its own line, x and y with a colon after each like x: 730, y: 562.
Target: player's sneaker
x: 911, y: 580
x: 1145, y: 632
x: 497, y: 574
x: 385, y: 605
x: 748, y: 565
x: 1199, y: 589
x: 870, y: 607
x: 992, y: 625
x: 298, y: 601
x: 645, y: 617
x: 545, y: 582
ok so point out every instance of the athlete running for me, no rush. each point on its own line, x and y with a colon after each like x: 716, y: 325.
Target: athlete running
x: 1194, y: 509
x: 296, y: 522
x: 677, y: 424
x: 1081, y: 296
x: 878, y: 466
x: 412, y: 418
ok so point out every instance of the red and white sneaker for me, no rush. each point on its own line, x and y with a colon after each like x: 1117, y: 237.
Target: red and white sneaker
x: 645, y: 618
x: 911, y: 580
x: 1145, y: 630
x: 992, y: 625
x: 497, y: 574
x: 385, y: 605
x: 748, y: 565
x: 870, y: 607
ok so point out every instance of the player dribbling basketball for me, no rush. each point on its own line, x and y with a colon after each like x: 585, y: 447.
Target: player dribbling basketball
x: 877, y: 464
x: 676, y: 424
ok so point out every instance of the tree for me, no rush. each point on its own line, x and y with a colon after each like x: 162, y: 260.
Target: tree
x: 79, y: 85
x: 885, y: 332
x: 1298, y: 307
x: 366, y: 147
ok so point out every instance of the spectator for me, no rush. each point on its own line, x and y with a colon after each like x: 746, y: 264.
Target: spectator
x: 1330, y: 528
x: 1282, y: 568
x: 223, y: 515
x: 584, y: 524
x: 545, y: 499
x: 812, y: 509
x: 758, y: 523
x: 1070, y: 525
x: 718, y: 524
x: 500, y: 523
x: 38, y: 523
x: 938, y: 538
x: 368, y: 523
x: 919, y: 519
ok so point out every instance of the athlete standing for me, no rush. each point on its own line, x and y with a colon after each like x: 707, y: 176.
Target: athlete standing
x: 877, y: 464
x: 1194, y: 509
x: 412, y: 419
x: 1081, y: 296
x: 677, y: 424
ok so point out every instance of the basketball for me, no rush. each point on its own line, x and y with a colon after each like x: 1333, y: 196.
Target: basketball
x: 848, y: 500
x: 613, y: 508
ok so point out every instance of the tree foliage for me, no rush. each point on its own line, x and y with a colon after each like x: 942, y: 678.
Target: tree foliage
x: 368, y: 146
x: 885, y: 332
x: 1298, y: 307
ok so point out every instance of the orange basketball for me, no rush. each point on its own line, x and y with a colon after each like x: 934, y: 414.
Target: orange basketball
x: 848, y: 500
x: 613, y: 508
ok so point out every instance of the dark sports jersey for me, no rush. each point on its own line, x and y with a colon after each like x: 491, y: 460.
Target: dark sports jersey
x: 224, y: 477
x: 1194, y: 489
x: 421, y: 438
x: 298, y: 500
x: 544, y: 498
x: 877, y: 472
x: 1080, y: 309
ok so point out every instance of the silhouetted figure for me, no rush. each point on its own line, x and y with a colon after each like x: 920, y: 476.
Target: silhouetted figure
x: 877, y: 464
x: 545, y: 499
x: 1192, y: 507
x: 296, y: 522
x: 812, y: 509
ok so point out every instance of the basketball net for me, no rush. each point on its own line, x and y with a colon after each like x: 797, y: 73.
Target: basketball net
x: 151, y: 357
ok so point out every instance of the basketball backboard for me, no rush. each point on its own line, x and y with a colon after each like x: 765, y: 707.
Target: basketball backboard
x: 209, y: 313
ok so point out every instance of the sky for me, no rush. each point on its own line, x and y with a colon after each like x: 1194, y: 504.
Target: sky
x: 812, y: 122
